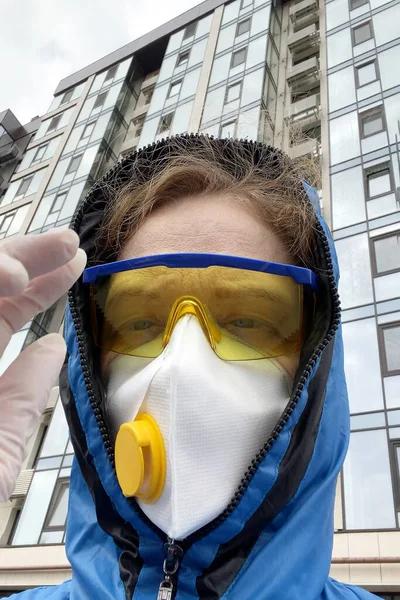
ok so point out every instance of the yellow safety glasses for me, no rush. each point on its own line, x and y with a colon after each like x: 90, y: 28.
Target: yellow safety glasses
x: 247, y: 309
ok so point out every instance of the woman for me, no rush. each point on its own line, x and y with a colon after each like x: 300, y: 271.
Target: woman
x: 204, y: 384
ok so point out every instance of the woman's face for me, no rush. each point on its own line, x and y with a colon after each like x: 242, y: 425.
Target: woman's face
x: 213, y: 224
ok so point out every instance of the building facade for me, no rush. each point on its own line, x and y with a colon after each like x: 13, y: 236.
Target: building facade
x: 319, y: 79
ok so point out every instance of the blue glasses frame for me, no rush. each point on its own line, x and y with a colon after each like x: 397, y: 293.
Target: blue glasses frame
x: 195, y: 261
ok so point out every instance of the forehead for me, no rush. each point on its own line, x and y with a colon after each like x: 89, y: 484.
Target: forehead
x: 214, y: 224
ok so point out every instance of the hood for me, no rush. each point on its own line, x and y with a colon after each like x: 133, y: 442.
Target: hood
x: 275, y: 538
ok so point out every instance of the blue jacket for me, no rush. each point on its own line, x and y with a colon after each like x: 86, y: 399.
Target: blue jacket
x: 274, y: 541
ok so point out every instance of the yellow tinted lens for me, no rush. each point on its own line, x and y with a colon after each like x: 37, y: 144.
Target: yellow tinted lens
x: 244, y: 314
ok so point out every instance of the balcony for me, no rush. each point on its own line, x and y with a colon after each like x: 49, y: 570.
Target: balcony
x: 306, y: 109
x: 303, y: 9
x: 311, y: 146
x: 307, y: 70
x: 22, y: 485
x: 8, y: 152
x: 305, y: 38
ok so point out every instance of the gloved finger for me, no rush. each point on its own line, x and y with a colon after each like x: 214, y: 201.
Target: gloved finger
x: 37, y: 254
x: 23, y: 400
x: 40, y: 294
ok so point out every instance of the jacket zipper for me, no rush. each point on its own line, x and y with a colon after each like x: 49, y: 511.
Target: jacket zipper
x: 167, y: 588
x: 173, y: 554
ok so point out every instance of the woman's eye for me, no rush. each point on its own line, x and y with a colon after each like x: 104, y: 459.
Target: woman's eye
x: 141, y: 325
x: 245, y: 323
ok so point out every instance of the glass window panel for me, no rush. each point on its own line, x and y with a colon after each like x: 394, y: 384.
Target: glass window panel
x: 190, y: 83
x: 111, y: 73
x: 87, y: 161
x: 393, y: 417
x: 344, y: 138
x: 74, y: 163
x: 366, y: 73
x: 392, y: 117
x: 368, y: 483
x: 233, y: 92
x: 342, y: 90
x: 101, y: 98
x: 381, y: 206
x: 73, y: 139
x: 167, y: 68
x: 67, y: 96
x: 189, y: 31
x: 387, y: 286
x: 71, y: 202
x: 197, y: 53
x: 248, y: 124
x: 78, y: 91
x: 149, y: 131
x: 394, y: 434
x: 51, y: 537
x: 165, y: 122
x: 39, y: 154
x: 86, y: 109
x: 371, y: 122
x: 54, y: 123
x: 35, y: 508
x: 65, y: 117
x: 257, y: 51
x: 12, y: 350
x: 88, y: 130
x: 113, y: 95
x: 57, y: 434
x: 226, y: 38
x: 66, y: 472
x: 213, y: 105
x: 98, y: 82
x: 203, y: 26
x: 181, y: 119
x: 368, y: 421
x: 391, y: 338
x: 58, y: 174
x: 337, y: 13
x: 355, y: 286
x: 260, y: 21
x: 387, y: 253
x: 49, y: 463
x: 41, y: 212
x: 243, y: 27
x: 386, y: 25
x: 238, y: 58
x: 379, y: 182
x: 67, y: 462
x: 388, y: 67
x: 339, y: 47
x: 175, y: 42
x: 348, y: 204
x: 231, y: 11
x: 175, y: 88
x: 59, y: 506
x: 373, y: 142
x: 17, y: 221
x: 362, y: 33
x: 220, y: 69
x: 392, y: 391
x: 228, y: 130
x: 27, y: 160
x: 361, y: 361
x: 158, y: 99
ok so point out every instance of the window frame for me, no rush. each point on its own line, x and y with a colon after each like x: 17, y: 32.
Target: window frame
x: 382, y: 348
x: 96, y: 105
x: 38, y: 160
x: 57, y: 196
x: 358, y: 26
x: 246, y: 20
x: 235, y: 53
x: 375, y: 62
x: 368, y: 171
x: 78, y: 160
x: 191, y: 26
x: 231, y: 122
x: 54, y: 123
x: 113, y: 70
x: 374, y: 265
x: 138, y: 124
x: 231, y: 85
x: 369, y: 112
x: 245, y: 4
x: 28, y: 178
x: 395, y: 468
x: 351, y: 7
x: 85, y: 137
x: 174, y: 84
x: 67, y: 96
x: 61, y: 482
x: 180, y: 56
x: 3, y: 218
x: 159, y: 130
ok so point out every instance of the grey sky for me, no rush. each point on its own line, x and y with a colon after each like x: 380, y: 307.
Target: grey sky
x: 43, y: 41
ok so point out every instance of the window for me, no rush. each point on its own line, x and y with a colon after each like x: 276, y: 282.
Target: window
x: 182, y: 59
x: 238, y: 57
x: 5, y: 222
x: 58, y: 203
x: 67, y: 96
x: 74, y: 164
x: 165, y: 122
x: 111, y: 73
x: 148, y: 94
x: 395, y: 452
x: 39, y: 153
x: 389, y: 337
x: 366, y: 73
x: 87, y: 132
x: 190, y: 31
x: 24, y: 185
x: 357, y: 3
x: 228, y: 130
x: 371, y: 121
x: 245, y: 3
x: 101, y: 98
x: 54, y: 525
x: 54, y: 123
x: 243, y: 27
x: 233, y: 92
x: 378, y: 180
x: 386, y: 253
x: 362, y: 33
x: 175, y: 88
x: 138, y: 123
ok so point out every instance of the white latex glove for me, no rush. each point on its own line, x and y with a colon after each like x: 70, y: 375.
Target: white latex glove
x: 35, y: 270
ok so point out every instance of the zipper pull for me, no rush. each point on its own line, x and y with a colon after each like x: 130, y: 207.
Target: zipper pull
x: 173, y: 553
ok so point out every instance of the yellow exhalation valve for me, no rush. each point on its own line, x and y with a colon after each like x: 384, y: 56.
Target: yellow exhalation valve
x: 140, y: 459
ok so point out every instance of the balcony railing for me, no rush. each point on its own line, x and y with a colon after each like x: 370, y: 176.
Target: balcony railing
x: 304, y: 109
x: 303, y: 9
x: 8, y: 152
x: 311, y: 146
x: 308, y: 36
x: 304, y: 70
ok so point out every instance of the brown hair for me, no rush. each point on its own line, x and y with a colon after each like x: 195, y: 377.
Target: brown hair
x: 264, y: 180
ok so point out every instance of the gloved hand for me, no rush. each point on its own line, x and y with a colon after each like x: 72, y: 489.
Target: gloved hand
x: 35, y: 270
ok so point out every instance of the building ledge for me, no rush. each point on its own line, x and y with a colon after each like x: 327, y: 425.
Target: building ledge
x: 23, y: 567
